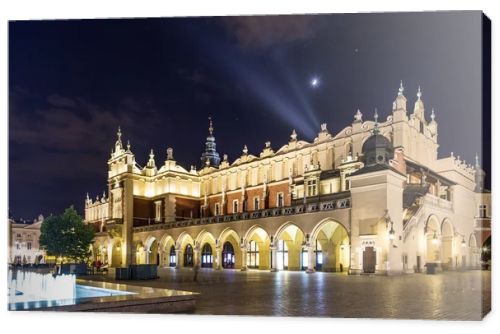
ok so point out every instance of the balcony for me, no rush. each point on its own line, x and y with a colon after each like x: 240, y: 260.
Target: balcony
x: 438, y: 202
x: 334, y: 204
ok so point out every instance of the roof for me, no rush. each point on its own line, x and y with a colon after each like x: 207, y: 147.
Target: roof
x: 375, y: 168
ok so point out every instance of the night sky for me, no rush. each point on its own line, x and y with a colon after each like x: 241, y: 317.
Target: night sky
x: 72, y: 83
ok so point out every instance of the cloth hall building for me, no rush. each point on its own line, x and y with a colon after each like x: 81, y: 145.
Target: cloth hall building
x: 373, y: 198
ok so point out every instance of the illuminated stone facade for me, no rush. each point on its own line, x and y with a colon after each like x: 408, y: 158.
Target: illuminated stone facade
x: 24, y: 242
x: 372, y: 198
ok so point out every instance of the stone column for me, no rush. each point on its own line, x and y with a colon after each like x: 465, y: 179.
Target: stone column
x: 243, y: 258
x: 218, y: 258
x: 310, y: 260
x: 177, y: 259
x: 196, y: 256
x: 274, y: 259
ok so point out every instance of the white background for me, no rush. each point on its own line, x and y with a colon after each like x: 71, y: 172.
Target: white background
x: 51, y: 322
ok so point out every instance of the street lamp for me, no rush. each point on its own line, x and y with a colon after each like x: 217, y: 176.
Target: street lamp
x: 391, y: 232
x: 387, y: 221
x: 435, y: 240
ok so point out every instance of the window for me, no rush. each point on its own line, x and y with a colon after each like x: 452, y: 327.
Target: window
x: 19, y: 235
x: 18, y: 246
x: 482, y: 211
x: 28, y: 245
x: 158, y: 211
x: 319, y: 256
x: 172, y: 257
x: 235, y: 206
x: 280, y: 200
x: 282, y: 254
x: 227, y: 255
x: 217, y: 209
x: 312, y: 189
x: 253, y: 255
x: 256, y: 204
x: 188, y: 256
x: 206, y: 256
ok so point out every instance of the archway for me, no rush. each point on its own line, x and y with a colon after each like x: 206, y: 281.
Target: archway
x: 188, y: 256
x: 116, y: 254
x: 152, y: 251
x: 231, y: 252
x: 258, y: 244
x: 206, y: 256
x: 289, y: 240
x: 486, y: 253
x: 228, y: 259
x: 140, y: 253
x: 172, y: 257
x: 166, y: 245
x: 206, y: 241
x: 433, y: 240
x: 330, y: 240
x: 446, y: 244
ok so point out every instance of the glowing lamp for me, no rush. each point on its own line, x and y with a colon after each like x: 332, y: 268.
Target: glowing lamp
x: 463, y: 242
x: 435, y: 240
x: 391, y: 233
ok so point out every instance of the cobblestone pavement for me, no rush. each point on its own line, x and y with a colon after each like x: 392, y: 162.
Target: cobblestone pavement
x: 446, y: 295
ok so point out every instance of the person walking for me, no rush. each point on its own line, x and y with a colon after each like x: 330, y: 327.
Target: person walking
x: 196, y: 269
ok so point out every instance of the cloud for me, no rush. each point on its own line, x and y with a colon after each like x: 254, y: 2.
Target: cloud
x: 61, y: 101
x: 64, y: 124
x: 260, y: 32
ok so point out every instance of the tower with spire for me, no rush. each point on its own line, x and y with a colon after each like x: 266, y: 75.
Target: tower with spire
x: 210, y: 158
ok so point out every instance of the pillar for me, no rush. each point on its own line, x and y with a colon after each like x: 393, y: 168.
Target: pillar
x: 274, y: 259
x: 196, y: 257
x: 310, y: 260
x: 218, y: 258
x: 177, y: 258
x: 243, y: 259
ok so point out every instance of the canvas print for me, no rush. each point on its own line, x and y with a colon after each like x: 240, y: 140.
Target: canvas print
x: 333, y: 165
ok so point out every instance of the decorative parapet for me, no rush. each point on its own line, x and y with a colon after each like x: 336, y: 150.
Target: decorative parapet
x: 343, y: 203
x: 435, y: 201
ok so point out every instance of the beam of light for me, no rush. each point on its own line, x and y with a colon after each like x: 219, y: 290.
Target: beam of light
x: 298, y: 92
x: 262, y: 86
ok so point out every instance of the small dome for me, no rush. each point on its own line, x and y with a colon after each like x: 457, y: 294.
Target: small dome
x: 376, y: 141
x: 377, y: 149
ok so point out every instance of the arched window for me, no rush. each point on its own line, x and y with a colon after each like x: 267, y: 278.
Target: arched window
x: 319, y: 256
x: 227, y: 255
x: 172, y: 257
x: 188, y: 256
x: 206, y: 256
x: 253, y: 255
x: 282, y: 255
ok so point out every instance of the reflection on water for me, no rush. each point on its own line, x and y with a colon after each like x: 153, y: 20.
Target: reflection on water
x: 34, y: 290
x: 24, y: 286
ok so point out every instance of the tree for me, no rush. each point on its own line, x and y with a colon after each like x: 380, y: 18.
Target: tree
x: 67, y: 236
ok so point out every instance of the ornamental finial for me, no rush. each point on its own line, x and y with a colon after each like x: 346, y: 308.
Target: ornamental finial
x: 359, y: 116
x: 477, y: 160
x: 210, y: 127
x: 119, y: 133
x: 151, y: 154
x: 376, y: 130
x: 433, y: 114
x: 293, y: 136
x: 401, y: 88
x: 419, y: 93
x: 245, y: 150
x: 128, y: 145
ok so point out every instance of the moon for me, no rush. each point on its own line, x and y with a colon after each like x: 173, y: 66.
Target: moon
x: 314, y: 82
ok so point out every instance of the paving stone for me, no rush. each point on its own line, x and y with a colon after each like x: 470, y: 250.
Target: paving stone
x: 463, y: 295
